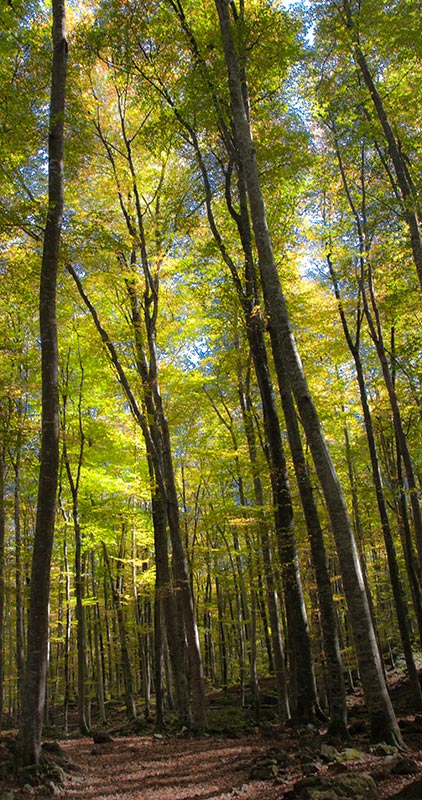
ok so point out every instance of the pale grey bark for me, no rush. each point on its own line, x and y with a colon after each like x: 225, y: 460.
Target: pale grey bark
x: 34, y: 684
x: 286, y: 357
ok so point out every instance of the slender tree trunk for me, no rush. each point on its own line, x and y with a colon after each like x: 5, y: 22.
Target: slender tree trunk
x: 20, y: 628
x: 407, y: 543
x: 382, y: 718
x: 98, y: 647
x: 375, y: 329
x: 404, y: 181
x: 208, y: 631
x: 335, y: 686
x: 81, y: 626
x: 306, y: 697
x: 66, y: 644
x: 2, y: 582
x: 33, y: 690
x: 158, y: 661
x: 74, y: 481
x: 165, y: 599
x: 399, y: 601
x: 224, y: 667
x: 146, y: 358
x: 265, y: 540
x: 145, y: 654
x: 183, y: 585
x: 124, y: 649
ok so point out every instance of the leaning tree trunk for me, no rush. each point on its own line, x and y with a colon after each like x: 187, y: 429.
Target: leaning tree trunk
x: 383, y: 722
x: 398, y: 593
x: 34, y: 684
x: 398, y: 158
x: 376, y: 333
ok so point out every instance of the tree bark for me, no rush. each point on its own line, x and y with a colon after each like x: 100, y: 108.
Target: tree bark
x: 404, y: 181
x: 34, y: 685
x: 400, y: 605
x: 20, y: 628
x: 98, y: 647
x: 74, y: 480
x: 265, y: 541
x: 382, y: 719
x: 124, y: 649
x: 2, y: 580
x: 375, y: 330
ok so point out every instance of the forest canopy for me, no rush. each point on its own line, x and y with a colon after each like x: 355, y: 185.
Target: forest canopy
x: 237, y: 493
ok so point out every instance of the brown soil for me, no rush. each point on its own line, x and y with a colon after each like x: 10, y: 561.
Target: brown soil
x: 212, y: 768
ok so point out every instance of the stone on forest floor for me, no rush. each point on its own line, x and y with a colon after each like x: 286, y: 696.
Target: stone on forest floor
x: 340, y: 787
x: 383, y: 749
x: 330, y: 753
x: 312, y: 769
x: 52, y: 747
x: 411, y: 725
x: 405, y: 766
x: 351, y: 754
x: 265, y: 769
x: 101, y: 737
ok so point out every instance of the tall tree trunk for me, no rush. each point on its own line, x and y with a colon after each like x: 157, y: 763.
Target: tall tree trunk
x: 74, y: 482
x: 34, y: 685
x: 335, y: 686
x: 383, y: 722
x: 147, y: 364
x: 407, y: 542
x: 160, y: 506
x: 2, y: 581
x: 404, y: 180
x: 306, y: 697
x: 158, y: 660
x: 265, y: 541
x: 20, y: 628
x: 83, y: 698
x: 124, y: 649
x: 164, y: 597
x: 375, y: 330
x: 400, y: 605
x: 98, y: 647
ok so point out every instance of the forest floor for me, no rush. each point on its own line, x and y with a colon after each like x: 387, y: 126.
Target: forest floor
x: 236, y: 762
x: 205, y: 767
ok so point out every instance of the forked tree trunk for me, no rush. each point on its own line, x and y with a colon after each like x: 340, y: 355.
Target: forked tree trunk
x: 34, y: 684
x: 383, y: 722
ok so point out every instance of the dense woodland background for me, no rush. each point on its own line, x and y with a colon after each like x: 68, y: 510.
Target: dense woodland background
x: 191, y: 523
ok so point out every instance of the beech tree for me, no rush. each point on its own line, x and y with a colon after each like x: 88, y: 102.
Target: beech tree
x: 381, y: 713
x: 197, y: 490
x: 34, y: 682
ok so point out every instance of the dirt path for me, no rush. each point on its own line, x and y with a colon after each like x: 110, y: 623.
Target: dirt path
x: 205, y: 768
x: 169, y: 769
